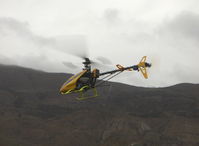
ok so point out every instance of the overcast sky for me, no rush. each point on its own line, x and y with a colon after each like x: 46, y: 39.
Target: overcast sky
x: 42, y: 34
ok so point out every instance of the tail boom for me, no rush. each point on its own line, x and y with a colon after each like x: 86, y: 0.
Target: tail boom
x: 139, y: 67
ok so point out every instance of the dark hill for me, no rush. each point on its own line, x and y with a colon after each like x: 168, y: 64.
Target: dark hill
x: 32, y: 113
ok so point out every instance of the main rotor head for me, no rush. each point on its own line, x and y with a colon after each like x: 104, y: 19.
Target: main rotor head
x: 87, y: 63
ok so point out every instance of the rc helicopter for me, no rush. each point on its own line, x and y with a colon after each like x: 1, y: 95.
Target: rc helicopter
x: 87, y: 78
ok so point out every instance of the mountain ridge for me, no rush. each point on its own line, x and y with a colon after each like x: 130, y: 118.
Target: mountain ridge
x: 34, y: 113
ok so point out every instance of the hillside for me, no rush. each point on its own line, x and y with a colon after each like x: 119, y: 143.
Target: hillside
x: 32, y: 113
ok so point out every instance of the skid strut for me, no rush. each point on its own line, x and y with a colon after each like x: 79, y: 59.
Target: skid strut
x: 83, y: 96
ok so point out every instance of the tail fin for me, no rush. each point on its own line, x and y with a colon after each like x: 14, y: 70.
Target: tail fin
x: 142, y: 67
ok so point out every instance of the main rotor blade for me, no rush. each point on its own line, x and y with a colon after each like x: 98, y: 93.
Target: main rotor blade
x: 69, y: 65
x: 104, y: 60
x: 77, y: 46
x: 73, y: 45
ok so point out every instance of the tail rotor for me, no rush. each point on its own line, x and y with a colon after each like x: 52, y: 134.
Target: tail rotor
x: 142, y: 67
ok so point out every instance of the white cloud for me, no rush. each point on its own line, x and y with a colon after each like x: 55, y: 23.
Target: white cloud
x: 20, y: 46
x: 124, y: 31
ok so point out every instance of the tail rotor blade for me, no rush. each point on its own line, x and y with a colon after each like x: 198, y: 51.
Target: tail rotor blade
x: 155, y: 61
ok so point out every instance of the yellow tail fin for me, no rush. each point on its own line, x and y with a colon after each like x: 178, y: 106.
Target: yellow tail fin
x: 142, y: 67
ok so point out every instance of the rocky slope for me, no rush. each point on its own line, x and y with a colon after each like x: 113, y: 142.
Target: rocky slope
x: 33, y: 113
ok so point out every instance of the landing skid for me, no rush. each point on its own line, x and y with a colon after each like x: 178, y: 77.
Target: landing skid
x: 83, y: 96
x: 82, y: 90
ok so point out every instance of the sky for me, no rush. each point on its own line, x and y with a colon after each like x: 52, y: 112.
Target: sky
x: 46, y: 34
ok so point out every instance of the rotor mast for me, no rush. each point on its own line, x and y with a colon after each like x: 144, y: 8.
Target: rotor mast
x: 87, y: 64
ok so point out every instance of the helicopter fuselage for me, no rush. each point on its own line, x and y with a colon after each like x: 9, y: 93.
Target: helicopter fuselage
x: 81, y: 81
x: 86, y: 79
